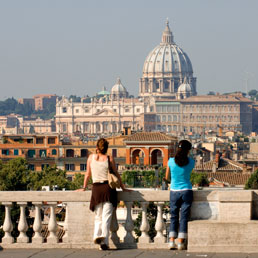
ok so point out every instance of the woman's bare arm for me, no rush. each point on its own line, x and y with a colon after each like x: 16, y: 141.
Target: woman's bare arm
x: 113, y: 164
x: 88, y: 173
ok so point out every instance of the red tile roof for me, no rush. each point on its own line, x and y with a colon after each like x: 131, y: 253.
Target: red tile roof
x: 229, y: 178
x: 224, y: 165
x: 150, y: 137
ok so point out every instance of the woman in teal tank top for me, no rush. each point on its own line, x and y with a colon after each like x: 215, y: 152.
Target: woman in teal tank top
x: 179, y: 169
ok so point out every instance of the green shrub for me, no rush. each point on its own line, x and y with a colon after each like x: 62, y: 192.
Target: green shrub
x: 199, y: 178
x: 142, y: 178
x: 252, y: 182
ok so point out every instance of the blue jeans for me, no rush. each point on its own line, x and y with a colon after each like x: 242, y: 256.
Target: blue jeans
x: 180, y: 201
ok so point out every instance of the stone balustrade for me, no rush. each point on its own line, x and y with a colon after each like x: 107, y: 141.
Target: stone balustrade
x: 221, y: 220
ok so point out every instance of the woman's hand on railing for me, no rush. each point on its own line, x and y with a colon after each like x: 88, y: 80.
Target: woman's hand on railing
x: 80, y: 190
x: 125, y: 189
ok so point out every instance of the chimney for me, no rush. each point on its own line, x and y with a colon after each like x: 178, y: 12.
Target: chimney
x: 244, y: 168
x: 217, y: 158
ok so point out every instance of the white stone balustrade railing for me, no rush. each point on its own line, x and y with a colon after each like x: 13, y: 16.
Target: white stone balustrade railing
x: 210, y: 208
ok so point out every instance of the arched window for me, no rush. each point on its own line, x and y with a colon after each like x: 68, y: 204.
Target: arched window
x: 54, y: 152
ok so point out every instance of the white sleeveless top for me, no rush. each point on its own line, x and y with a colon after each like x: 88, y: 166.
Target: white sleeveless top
x: 99, y: 170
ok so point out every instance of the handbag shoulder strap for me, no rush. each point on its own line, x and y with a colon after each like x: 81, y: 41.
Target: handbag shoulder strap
x: 110, y: 169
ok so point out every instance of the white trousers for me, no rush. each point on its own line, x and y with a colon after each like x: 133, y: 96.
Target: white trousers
x: 103, y: 216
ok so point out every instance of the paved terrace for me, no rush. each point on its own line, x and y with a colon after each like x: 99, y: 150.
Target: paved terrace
x: 222, y: 221
x: 73, y: 253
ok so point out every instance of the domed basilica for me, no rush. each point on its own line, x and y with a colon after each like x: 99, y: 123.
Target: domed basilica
x: 166, y: 69
x: 167, y: 74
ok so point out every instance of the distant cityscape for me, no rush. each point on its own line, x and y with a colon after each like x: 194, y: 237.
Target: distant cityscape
x: 144, y: 130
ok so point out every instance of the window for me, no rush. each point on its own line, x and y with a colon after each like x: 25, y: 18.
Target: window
x: 159, y: 109
x: 5, y: 151
x: 16, y: 152
x: 138, y: 110
x: 69, y: 153
x: 169, y: 128
x: 44, y: 166
x: 158, y: 118
x: 169, y: 109
x: 64, y: 110
x: 169, y: 118
x: 114, y: 153
x: 174, y: 118
x: 69, y: 167
x: 84, y: 153
x: 31, y: 167
x: 64, y: 127
x: 77, y: 110
x: 86, y: 110
x: 83, y: 167
x: 127, y: 110
x: 31, y: 153
x: 51, y: 140
x: 54, y: 152
x: 42, y: 153
x: 114, y: 110
x: 39, y: 140
x: 164, y: 109
x: 29, y: 140
x: 164, y: 119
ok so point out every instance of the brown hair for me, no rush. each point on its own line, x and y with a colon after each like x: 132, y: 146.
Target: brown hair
x: 181, y: 157
x: 102, y: 145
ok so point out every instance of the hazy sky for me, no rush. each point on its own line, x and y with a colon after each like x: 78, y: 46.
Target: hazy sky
x: 77, y: 47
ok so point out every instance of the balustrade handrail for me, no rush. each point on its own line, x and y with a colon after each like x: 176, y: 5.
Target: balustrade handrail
x: 72, y: 196
x: 209, y: 204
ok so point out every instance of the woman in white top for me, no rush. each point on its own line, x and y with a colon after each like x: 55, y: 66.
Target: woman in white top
x: 103, y: 198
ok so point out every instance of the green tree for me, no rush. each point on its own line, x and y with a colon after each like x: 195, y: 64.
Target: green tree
x: 252, y: 93
x: 252, y: 182
x: 14, y: 175
x: 77, y: 182
x: 199, y: 178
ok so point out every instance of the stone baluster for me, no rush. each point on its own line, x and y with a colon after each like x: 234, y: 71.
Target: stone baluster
x: 114, y: 228
x: 52, y: 225
x: 8, y: 226
x: 22, y: 225
x: 37, y: 225
x: 65, y: 237
x: 129, y: 224
x: 145, y: 227
x: 159, y: 225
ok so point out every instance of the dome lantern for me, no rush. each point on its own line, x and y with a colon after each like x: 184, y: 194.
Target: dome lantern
x: 167, y: 36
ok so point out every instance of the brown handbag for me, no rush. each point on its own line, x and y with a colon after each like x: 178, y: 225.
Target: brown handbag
x: 113, y: 180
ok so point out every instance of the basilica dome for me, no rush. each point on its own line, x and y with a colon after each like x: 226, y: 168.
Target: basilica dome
x: 165, y: 68
x: 118, y: 90
x: 185, y: 87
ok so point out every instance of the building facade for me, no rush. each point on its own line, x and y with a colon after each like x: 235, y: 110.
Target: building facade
x: 167, y: 102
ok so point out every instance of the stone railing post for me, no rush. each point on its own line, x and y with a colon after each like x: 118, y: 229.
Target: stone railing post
x: 37, y: 225
x: 65, y: 237
x: 159, y: 225
x: 22, y: 225
x: 7, y: 226
x: 52, y: 225
x: 129, y: 224
x: 114, y: 228
x: 145, y: 227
